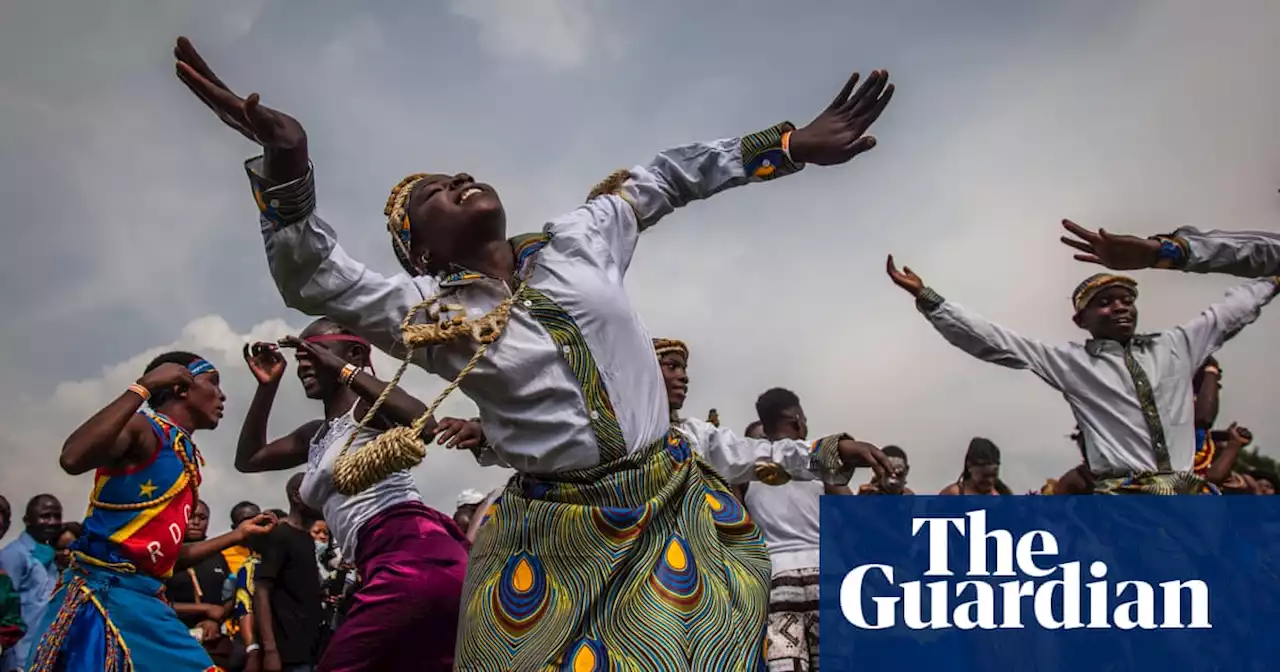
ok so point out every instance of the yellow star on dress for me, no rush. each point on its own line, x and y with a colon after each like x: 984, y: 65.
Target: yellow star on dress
x: 146, y: 489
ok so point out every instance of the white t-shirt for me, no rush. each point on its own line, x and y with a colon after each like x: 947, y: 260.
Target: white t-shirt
x: 787, y: 515
x: 345, y: 515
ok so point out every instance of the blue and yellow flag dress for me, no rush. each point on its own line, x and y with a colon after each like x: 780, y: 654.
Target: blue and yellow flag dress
x: 112, y: 615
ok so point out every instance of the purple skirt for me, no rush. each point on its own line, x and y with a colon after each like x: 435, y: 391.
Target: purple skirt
x: 412, y: 560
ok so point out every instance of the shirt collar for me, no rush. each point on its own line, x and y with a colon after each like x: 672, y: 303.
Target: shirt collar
x: 524, y: 246
x: 1096, y: 346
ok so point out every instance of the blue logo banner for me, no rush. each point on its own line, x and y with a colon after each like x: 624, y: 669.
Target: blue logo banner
x: 1122, y: 584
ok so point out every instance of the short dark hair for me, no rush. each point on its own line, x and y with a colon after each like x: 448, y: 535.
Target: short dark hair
x: 161, y: 397
x: 34, y: 501
x: 75, y: 528
x: 753, y: 424
x: 236, y: 520
x: 895, y: 451
x: 772, y: 406
x: 278, y: 513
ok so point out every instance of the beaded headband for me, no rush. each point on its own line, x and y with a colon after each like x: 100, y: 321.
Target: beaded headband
x: 200, y: 366
x: 1088, y: 289
x: 398, y: 223
x: 664, y: 346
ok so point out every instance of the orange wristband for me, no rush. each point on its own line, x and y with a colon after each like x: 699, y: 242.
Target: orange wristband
x: 786, y: 144
x: 140, y: 391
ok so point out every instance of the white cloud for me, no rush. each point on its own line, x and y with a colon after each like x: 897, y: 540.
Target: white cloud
x: 37, y: 427
x: 561, y: 34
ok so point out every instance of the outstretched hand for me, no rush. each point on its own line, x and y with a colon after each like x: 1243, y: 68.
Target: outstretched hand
x: 906, y: 278
x: 838, y: 133
x: 863, y: 454
x: 265, y: 362
x: 1117, y: 252
x: 459, y: 434
x: 277, y: 132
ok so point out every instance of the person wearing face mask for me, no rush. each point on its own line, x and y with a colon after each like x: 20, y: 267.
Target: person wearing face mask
x: 30, y: 562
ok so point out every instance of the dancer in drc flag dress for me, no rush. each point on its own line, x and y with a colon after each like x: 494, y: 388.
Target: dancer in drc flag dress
x: 109, y: 613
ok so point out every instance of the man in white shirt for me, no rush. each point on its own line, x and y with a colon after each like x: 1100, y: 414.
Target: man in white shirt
x: 1130, y: 393
x: 787, y: 515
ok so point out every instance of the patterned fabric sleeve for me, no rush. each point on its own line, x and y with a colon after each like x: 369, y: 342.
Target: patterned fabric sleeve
x: 316, y: 276
x: 630, y: 201
x: 244, y: 589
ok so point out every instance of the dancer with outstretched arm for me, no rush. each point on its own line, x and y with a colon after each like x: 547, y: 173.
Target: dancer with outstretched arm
x: 615, y: 547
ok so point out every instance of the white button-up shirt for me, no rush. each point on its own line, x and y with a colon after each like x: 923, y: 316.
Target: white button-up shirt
x: 1097, y: 384
x: 532, y: 407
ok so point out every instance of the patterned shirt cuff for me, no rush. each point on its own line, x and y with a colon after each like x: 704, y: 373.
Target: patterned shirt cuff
x: 763, y: 156
x: 928, y: 300
x: 826, y: 460
x: 283, y: 204
x: 1174, y: 252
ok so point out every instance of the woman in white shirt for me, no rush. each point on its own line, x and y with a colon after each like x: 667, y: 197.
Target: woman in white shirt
x: 412, y: 558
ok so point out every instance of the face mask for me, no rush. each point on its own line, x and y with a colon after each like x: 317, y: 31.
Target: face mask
x: 321, y: 549
x: 43, y: 553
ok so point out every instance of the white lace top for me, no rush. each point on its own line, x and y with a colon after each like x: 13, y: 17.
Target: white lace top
x: 345, y: 515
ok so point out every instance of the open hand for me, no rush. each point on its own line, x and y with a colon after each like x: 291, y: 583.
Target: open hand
x: 265, y: 362
x: 1117, y: 252
x: 166, y: 377
x: 838, y: 133
x: 259, y: 524
x: 459, y: 434
x: 906, y: 278
x: 278, y: 133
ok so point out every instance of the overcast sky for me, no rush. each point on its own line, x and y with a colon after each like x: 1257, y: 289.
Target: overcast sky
x: 130, y: 228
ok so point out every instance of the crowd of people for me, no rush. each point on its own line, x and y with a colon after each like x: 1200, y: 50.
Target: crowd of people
x: 632, y: 536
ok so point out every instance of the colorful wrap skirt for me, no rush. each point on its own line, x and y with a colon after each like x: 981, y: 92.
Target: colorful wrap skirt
x: 1155, y: 483
x: 108, y: 619
x: 646, y: 563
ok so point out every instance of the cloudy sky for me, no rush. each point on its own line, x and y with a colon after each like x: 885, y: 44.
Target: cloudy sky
x: 130, y: 229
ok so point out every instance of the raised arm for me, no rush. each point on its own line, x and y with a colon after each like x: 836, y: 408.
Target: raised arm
x: 312, y: 272
x: 980, y: 338
x: 1247, y: 254
x: 254, y: 452
x: 193, y: 553
x: 1203, y: 335
x: 630, y: 201
x: 739, y: 460
x: 116, y: 435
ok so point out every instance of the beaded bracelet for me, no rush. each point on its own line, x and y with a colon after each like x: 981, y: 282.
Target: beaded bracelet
x: 140, y: 391
x: 347, y: 375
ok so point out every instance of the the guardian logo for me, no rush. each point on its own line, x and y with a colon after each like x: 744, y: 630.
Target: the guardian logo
x: 1039, y: 586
